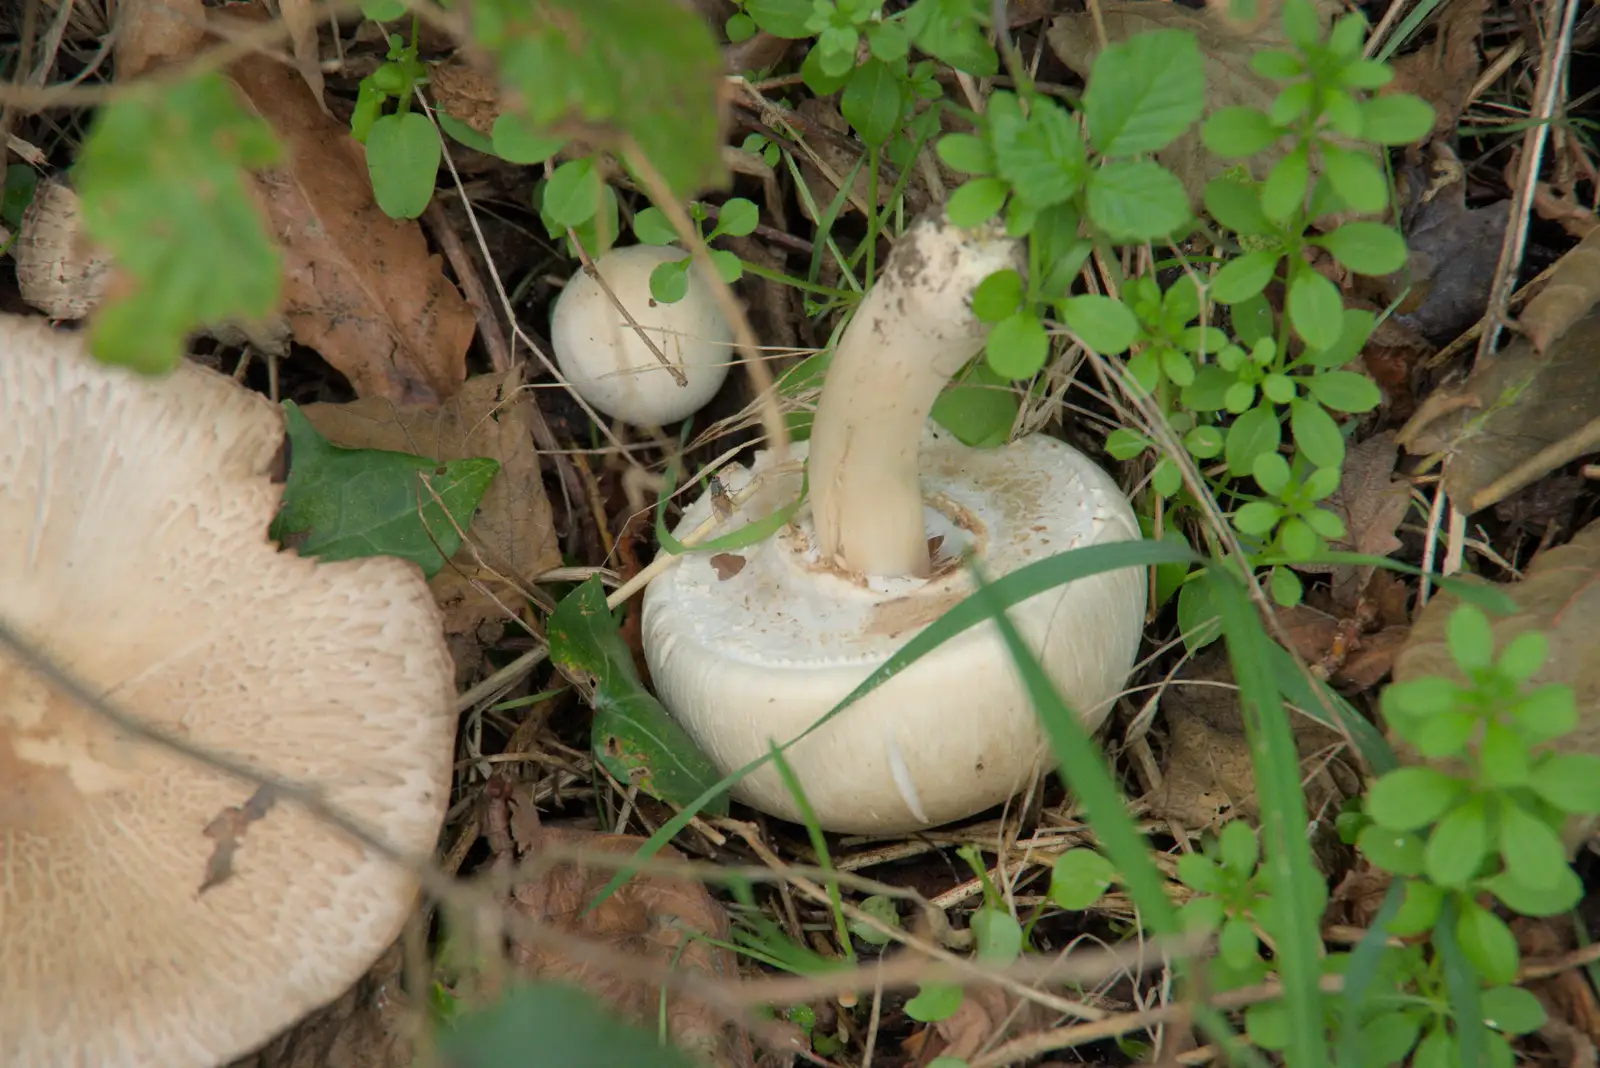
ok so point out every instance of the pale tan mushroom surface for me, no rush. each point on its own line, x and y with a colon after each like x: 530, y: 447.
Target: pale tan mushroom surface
x: 134, y: 550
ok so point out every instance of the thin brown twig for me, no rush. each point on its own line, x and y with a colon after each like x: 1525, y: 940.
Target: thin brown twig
x: 772, y: 421
x: 1552, y: 79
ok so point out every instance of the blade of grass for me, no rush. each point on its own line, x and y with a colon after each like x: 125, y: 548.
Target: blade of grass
x: 819, y: 845
x: 1009, y: 590
x: 1359, y: 974
x: 1087, y: 774
x: 1298, y: 892
x: 1461, y: 986
x: 1486, y: 595
x: 1292, y: 682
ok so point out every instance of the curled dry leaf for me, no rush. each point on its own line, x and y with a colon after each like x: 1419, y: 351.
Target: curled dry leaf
x: 655, y: 916
x: 1453, y: 251
x: 60, y: 270
x: 1229, y: 80
x: 1569, y: 294
x: 512, y: 531
x: 1372, y: 503
x: 151, y: 33
x: 1208, y: 777
x: 1559, y: 596
x: 1518, y: 409
x: 987, y: 1014
x: 359, y: 287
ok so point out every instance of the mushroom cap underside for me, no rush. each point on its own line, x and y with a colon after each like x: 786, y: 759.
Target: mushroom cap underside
x: 755, y: 645
x: 603, y: 357
x: 133, y: 551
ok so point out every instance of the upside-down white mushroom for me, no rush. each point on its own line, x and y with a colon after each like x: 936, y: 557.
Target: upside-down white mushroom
x: 603, y: 357
x: 752, y: 653
x: 134, y: 553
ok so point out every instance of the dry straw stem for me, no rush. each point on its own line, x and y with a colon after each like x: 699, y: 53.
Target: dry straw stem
x: 777, y: 431
x: 1552, y: 81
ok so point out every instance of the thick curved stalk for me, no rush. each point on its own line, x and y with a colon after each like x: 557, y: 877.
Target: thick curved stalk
x: 912, y: 332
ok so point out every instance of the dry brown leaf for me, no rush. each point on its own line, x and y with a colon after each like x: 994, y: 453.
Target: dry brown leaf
x: 1208, y: 777
x: 359, y: 287
x: 1372, y: 503
x: 512, y: 530
x: 151, y: 33
x: 1516, y: 404
x: 371, y: 1026
x: 653, y: 915
x: 1229, y: 80
x: 727, y: 565
x: 1443, y: 71
x: 1559, y: 596
x: 300, y: 16
x: 986, y: 1015
x: 1568, y: 295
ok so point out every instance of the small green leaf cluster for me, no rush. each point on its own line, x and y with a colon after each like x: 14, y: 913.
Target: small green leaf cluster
x: 403, y: 149
x: 1032, y: 163
x: 999, y: 937
x: 1485, y: 815
x: 864, y: 54
x: 670, y: 281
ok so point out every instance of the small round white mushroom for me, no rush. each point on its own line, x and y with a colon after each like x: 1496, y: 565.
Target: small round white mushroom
x: 604, y: 359
x: 756, y: 654
x: 59, y: 270
x: 134, y: 552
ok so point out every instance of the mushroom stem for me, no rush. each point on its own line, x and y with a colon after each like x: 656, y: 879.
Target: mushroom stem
x: 913, y: 331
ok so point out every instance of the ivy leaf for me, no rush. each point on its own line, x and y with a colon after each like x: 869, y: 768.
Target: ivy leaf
x: 1144, y: 92
x: 162, y: 177
x: 1137, y: 200
x: 343, y: 504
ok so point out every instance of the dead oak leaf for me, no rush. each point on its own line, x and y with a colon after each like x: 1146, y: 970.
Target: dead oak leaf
x: 300, y: 17
x: 512, y: 535
x: 654, y: 915
x: 359, y: 287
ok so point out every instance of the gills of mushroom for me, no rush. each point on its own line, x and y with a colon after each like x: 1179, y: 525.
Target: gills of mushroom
x: 154, y: 911
x: 752, y: 651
